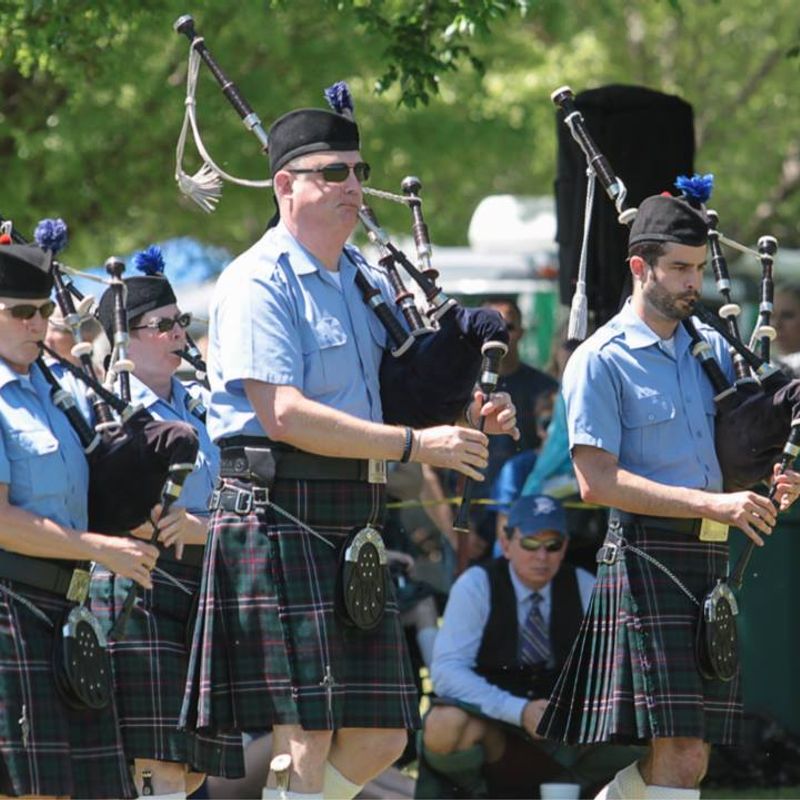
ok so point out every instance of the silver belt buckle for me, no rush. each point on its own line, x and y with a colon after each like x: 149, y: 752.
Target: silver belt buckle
x: 376, y: 471
x: 78, y: 589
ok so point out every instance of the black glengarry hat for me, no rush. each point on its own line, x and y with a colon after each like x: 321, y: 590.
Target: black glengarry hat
x: 664, y: 218
x: 144, y: 292
x: 25, y: 272
x: 314, y: 130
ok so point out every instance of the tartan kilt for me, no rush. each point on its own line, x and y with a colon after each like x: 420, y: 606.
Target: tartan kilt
x: 67, y: 752
x: 267, y: 636
x: 631, y: 675
x: 149, y: 667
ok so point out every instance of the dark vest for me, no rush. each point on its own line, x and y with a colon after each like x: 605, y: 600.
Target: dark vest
x: 497, y: 656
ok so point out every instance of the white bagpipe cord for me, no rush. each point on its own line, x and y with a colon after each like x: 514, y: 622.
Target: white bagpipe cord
x: 579, y: 311
x: 205, y: 186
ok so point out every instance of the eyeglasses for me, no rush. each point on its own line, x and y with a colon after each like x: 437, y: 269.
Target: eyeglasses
x: 166, y: 324
x: 28, y: 310
x: 338, y: 172
x: 532, y: 545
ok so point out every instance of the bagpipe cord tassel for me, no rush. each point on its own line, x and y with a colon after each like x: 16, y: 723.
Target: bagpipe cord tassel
x: 579, y: 311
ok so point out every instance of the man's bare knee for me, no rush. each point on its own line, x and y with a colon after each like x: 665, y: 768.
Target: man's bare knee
x: 678, y: 761
x: 443, y: 729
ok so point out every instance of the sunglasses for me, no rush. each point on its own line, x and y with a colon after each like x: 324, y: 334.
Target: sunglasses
x: 338, y: 172
x: 166, y: 324
x: 28, y: 310
x: 532, y: 545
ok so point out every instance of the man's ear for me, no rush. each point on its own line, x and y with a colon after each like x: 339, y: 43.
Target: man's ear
x: 638, y: 266
x: 282, y: 184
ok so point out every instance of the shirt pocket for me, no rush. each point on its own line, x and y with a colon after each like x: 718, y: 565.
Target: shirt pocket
x: 326, y: 365
x: 34, y: 458
x: 647, y: 423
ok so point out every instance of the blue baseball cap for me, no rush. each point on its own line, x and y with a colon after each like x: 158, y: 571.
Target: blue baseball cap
x: 535, y: 513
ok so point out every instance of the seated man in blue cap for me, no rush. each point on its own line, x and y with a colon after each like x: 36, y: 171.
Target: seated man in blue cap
x: 493, y: 677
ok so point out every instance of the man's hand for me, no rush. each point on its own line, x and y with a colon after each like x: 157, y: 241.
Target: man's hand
x: 178, y: 528
x: 126, y: 557
x: 531, y: 715
x: 787, y: 487
x: 451, y: 447
x: 500, y: 413
x: 748, y: 511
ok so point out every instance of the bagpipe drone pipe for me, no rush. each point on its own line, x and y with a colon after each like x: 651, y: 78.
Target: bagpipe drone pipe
x: 757, y: 421
x: 429, y: 372
x: 135, y: 461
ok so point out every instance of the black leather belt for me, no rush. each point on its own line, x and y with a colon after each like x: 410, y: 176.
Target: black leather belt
x: 192, y: 555
x: 69, y: 580
x: 288, y: 464
x: 687, y: 525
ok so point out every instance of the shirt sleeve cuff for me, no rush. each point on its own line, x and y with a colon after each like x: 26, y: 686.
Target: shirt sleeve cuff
x: 512, y: 710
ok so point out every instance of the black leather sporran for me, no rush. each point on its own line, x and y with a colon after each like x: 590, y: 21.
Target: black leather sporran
x: 363, y: 579
x: 81, y: 663
x: 717, y: 641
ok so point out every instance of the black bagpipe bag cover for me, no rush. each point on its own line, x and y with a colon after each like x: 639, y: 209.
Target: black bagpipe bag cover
x: 752, y: 427
x: 431, y: 383
x: 128, y: 470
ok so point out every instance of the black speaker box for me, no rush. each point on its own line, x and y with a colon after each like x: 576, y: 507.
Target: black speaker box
x: 648, y: 138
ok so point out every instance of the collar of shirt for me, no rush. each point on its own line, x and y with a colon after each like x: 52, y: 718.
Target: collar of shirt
x: 524, y: 593
x: 141, y: 394
x: 8, y: 375
x: 639, y: 334
x: 279, y: 241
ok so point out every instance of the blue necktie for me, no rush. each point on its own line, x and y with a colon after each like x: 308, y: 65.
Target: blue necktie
x: 534, y: 639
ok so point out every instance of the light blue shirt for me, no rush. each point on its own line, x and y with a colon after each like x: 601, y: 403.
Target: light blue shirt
x: 200, y: 483
x: 554, y: 459
x: 41, y: 458
x: 626, y: 394
x: 278, y: 316
x: 458, y: 641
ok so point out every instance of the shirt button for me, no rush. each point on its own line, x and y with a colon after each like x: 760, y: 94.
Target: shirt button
x: 651, y: 417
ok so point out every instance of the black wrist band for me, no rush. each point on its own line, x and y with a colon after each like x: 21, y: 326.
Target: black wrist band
x: 407, y: 446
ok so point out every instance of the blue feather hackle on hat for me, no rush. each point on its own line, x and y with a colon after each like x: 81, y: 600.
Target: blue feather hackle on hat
x: 696, y: 189
x: 51, y: 234
x: 150, y: 261
x: 339, y: 99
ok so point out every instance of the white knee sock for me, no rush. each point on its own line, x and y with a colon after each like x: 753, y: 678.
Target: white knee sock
x: 626, y: 785
x: 670, y: 793
x: 336, y: 787
x: 277, y: 794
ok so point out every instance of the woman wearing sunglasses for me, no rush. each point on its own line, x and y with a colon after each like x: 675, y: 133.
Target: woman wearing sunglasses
x: 150, y: 663
x: 45, y: 744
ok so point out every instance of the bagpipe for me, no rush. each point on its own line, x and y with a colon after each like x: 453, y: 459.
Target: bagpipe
x: 429, y: 371
x: 135, y: 461
x: 758, y: 415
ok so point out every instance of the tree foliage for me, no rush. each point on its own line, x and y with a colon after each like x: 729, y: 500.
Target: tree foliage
x: 454, y: 91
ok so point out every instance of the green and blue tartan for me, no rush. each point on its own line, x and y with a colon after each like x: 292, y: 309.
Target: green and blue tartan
x: 47, y: 748
x: 268, y: 648
x: 632, y: 675
x: 150, y: 666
